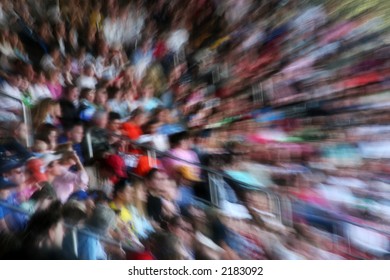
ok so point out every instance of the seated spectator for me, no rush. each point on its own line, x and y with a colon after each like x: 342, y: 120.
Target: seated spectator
x: 11, y: 109
x: 132, y: 128
x: 48, y: 133
x: 53, y: 84
x: 68, y: 182
x: 181, y: 149
x: 86, y: 107
x: 75, y: 134
x: 87, y: 78
x: 38, y: 88
x: 44, y: 236
x: 148, y: 101
x: 99, y: 224
x: 47, y: 111
x: 69, y: 106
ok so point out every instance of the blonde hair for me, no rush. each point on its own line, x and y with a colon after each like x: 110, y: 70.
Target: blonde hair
x: 41, y: 110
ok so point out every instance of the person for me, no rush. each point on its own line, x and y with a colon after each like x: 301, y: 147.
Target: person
x: 101, y: 221
x: 68, y: 182
x: 51, y: 166
x: 43, y: 237
x: 106, y: 172
x: 74, y: 134
x: 48, y: 133
x: 132, y: 128
x: 86, y: 106
x: 181, y: 149
x: 123, y: 194
x: 148, y: 101
x: 69, y: 106
x: 156, y: 181
x: 87, y: 78
x: 142, y: 225
x: 96, y: 136
x: 46, y: 111
x: 183, y: 229
x: 186, y: 181
x: 12, y: 172
x: 11, y: 109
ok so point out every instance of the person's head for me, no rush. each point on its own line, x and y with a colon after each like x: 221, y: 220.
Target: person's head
x: 180, y: 140
x: 74, y: 212
x: 88, y: 94
x: 114, y: 121
x: 89, y: 70
x: 182, y: 228
x: 19, y: 131
x: 101, y: 96
x: 102, y: 219
x: 49, y: 134
x: 150, y: 127
x: 52, y: 165
x: 75, y: 133
x: 45, y: 107
x: 138, y: 116
x: 71, y: 93
x: 45, y: 228
x: 165, y: 246
x: 40, y: 147
x: 148, y: 91
x: 123, y: 192
x: 60, y: 30
x: 156, y: 180
x: 100, y: 119
x: 16, y: 175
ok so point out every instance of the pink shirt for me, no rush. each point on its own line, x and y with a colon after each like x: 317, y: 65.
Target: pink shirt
x: 69, y: 182
x: 188, y: 155
x: 55, y: 90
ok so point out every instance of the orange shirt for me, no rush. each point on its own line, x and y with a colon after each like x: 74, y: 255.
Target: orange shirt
x: 131, y: 130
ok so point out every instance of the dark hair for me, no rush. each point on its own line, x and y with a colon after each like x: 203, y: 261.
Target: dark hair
x: 69, y: 88
x: 73, y: 125
x: 113, y: 116
x: 151, y: 173
x: 176, y: 138
x: 121, y: 186
x: 42, y: 221
x: 44, y: 131
x: 84, y: 92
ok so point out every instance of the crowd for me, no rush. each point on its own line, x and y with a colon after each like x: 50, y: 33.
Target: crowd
x: 194, y: 129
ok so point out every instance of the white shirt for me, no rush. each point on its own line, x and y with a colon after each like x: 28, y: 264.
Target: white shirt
x: 86, y: 82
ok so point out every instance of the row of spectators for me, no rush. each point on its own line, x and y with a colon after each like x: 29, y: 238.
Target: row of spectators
x: 279, y: 97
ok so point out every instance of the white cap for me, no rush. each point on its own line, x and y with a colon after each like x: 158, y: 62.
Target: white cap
x: 50, y: 157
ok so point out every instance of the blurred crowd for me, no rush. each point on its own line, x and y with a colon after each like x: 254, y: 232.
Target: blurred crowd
x: 196, y: 129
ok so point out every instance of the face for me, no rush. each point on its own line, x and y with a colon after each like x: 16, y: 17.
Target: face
x: 57, y: 110
x: 73, y: 95
x: 185, y: 232
x: 54, y: 168
x: 16, y: 175
x: 102, y: 121
x: 148, y: 91
x: 140, y: 193
x: 76, y: 134
x: 159, y: 181
x: 114, y: 125
x: 21, y: 132
x: 53, y: 135
x: 126, y: 195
